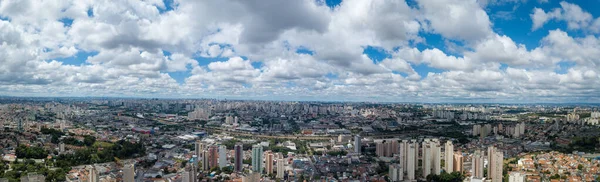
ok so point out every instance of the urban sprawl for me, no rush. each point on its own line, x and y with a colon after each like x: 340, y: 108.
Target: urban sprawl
x: 186, y: 140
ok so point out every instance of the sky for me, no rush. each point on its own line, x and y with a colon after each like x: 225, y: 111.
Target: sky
x: 508, y: 51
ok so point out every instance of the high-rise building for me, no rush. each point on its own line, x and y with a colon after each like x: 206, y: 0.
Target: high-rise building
x: 222, y: 156
x: 269, y: 162
x: 357, y: 144
x: 516, y: 177
x: 449, y: 157
x: 404, y: 154
x: 280, y: 168
x: 206, y: 160
x: 396, y: 173
x: 380, y: 149
x: 190, y: 174
x: 490, y: 158
x: 129, y: 173
x: 458, y: 162
x: 239, y: 156
x: 213, y: 155
x: 426, y: 160
x: 477, y: 164
x: 199, y: 148
x: 61, y: 147
x: 498, y: 158
x: 257, y: 158
x: 394, y: 148
x: 93, y: 175
x: 411, y: 160
x: 436, y: 156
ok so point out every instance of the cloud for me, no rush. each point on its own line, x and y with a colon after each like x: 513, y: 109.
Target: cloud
x: 250, y: 49
x: 575, y: 17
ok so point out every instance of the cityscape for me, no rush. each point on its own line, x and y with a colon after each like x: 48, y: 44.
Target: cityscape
x: 299, y: 91
x: 102, y: 139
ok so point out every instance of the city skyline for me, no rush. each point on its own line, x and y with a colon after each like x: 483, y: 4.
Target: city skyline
x: 501, y: 51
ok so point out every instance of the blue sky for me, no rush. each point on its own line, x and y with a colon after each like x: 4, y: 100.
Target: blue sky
x: 356, y: 50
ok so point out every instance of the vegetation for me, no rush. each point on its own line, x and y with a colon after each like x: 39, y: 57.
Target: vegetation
x: 56, y: 134
x: 446, y: 177
x: 31, y: 152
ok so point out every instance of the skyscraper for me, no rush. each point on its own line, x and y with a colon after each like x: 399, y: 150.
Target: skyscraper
x: 458, y: 162
x: 404, y: 154
x: 477, y: 164
x: 213, y: 156
x: 222, y: 156
x: 396, y: 172
x: 436, y: 156
x: 129, y: 173
x: 449, y: 157
x: 411, y: 160
x: 280, y: 168
x: 257, y: 158
x: 490, y: 157
x: 239, y: 156
x: 93, y: 174
x: 357, y: 144
x: 269, y: 162
x: 199, y: 147
x: 426, y: 161
x: 498, y: 158
x: 205, y: 160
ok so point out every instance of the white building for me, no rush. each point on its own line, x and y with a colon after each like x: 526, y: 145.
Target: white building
x: 449, y: 157
x: 129, y: 173
x: 222, y: 156
x: 280, y: 168
x: 357, y: 144
x: 396, y: 173
x: 516, y: 177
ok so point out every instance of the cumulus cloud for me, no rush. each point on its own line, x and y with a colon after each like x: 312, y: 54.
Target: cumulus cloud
x: 299, y: 49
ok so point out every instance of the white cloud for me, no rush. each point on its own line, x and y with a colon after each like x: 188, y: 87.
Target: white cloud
x: 128, y: 40
x: 575, y: 17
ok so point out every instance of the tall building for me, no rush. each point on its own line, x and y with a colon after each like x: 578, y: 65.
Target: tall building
x: 257, y: 158
x: 129, y: 173
x: 436, y: 156
x: 280, y: 168
x: 380, y: 149
x: 396, y: 173
x: 490, y: 158
x: 357, y: 144
x: 190, y: 174
x: 458, y: 162
x: 199, y: 148
x: 269, y: 162
x: 427, y: 159
x: 239, y: 156
x: 477, y: 164
x: 404, y: 154
x: 516, y: 177
x: 93, y: 175
x: 449, y: 157
x: 213, y: 155
x: 206, y: 160
x: 222, y: 156
x: 497, y: 166
x: 411, y: 160
x: 61, y: 147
